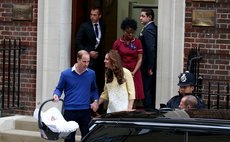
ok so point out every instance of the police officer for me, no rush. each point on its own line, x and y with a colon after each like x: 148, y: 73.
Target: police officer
x: 186, y: 87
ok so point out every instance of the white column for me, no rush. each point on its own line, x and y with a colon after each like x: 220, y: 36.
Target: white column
x: 53, y: 45
x: 171, y: 15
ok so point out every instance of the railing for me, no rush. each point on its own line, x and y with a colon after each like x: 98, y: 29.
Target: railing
x: 217, y: 96
x: 10, y: 61
x: 193, y: 66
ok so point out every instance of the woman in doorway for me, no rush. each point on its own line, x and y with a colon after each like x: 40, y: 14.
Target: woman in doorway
x: 130, y: 50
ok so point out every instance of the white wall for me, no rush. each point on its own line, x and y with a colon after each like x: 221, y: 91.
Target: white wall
x: 53, y: 45
x: 171, y: 15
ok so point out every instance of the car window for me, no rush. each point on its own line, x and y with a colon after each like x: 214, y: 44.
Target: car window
x: 209, y: 137
x: 132, y: 133
x: 112, y: 133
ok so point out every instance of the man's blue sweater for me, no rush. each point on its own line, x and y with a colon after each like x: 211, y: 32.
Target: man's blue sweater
x: 78, y: 89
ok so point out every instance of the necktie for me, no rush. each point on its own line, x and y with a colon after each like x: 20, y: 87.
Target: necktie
x: 96, y: 29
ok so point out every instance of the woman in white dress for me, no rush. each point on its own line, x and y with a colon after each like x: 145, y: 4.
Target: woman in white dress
x: 119, y: 88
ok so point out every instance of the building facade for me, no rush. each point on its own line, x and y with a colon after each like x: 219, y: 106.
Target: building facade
x: 48, y: 40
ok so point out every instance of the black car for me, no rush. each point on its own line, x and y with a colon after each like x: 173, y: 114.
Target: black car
x: 158, y: 126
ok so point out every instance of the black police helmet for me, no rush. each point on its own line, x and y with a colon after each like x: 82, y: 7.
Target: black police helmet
x: 186, y: 79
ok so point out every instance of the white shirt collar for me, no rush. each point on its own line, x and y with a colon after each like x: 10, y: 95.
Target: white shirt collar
x: 148, y: 23
x: 96, y: 23
x: 73, y: 68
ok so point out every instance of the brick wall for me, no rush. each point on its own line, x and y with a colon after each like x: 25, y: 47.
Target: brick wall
x: 27, y: 32
x: 214, y: 43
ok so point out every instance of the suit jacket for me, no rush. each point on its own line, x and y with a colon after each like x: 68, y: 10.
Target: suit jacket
x: 86, y: 40
x: 148, y: 39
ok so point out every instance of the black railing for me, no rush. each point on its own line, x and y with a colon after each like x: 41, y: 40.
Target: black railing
x: 10, y: 62
x: 216, y: 96
x: 193, y: 66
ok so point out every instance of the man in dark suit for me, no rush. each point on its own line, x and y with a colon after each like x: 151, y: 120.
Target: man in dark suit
x: 89, y: 38
x: 148, y: 37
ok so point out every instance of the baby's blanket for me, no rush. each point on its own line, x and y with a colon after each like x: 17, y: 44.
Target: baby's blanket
x: 53, y: 119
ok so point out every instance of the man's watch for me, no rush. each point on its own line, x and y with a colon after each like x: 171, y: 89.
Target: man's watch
x: 96, y: 101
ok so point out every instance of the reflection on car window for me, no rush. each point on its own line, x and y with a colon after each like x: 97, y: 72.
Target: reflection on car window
x: 109, y: 134
x: 133, y: 134
x: 209, y: 137
x: 127, y: 133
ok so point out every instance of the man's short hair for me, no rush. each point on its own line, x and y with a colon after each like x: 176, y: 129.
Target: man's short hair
x: 191, y: 101
x: 80, y: 53
x: 148, y: 12
x: 96, y: 8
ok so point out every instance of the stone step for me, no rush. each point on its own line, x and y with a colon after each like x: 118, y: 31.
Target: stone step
x: 28, y: 123
x: 23, y: 129
x: 15, y: 135
x: 22, y: 136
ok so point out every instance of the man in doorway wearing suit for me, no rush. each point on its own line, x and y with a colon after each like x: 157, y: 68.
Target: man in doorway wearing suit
x: 148, y: 37
x: 89, y: 38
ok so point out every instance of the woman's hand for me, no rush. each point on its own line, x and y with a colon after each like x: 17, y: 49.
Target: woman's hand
x: 94, y: 106
x: 131, y: 109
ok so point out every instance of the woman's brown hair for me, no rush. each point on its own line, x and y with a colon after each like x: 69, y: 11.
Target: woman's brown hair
x: 117, y: 68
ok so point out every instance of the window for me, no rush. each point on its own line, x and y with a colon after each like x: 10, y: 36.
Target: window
x: 137, y: 133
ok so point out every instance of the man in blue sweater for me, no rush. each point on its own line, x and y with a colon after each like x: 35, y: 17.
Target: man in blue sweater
x: 80, y: 89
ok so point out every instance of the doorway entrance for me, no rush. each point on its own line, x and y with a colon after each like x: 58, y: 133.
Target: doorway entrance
x: 113, y: 12
x: 80, y: 14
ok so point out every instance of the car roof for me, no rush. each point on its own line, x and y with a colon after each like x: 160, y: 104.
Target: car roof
x: 192, y: 118
x: 169, y: 113
x: 214, y: 123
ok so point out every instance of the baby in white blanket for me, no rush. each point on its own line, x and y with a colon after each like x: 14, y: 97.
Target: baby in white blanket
x: 53, y: 119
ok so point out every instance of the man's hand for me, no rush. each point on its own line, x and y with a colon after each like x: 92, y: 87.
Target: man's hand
x: 93, y: 54
x: 150, y: 72
x: 56, y: 98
